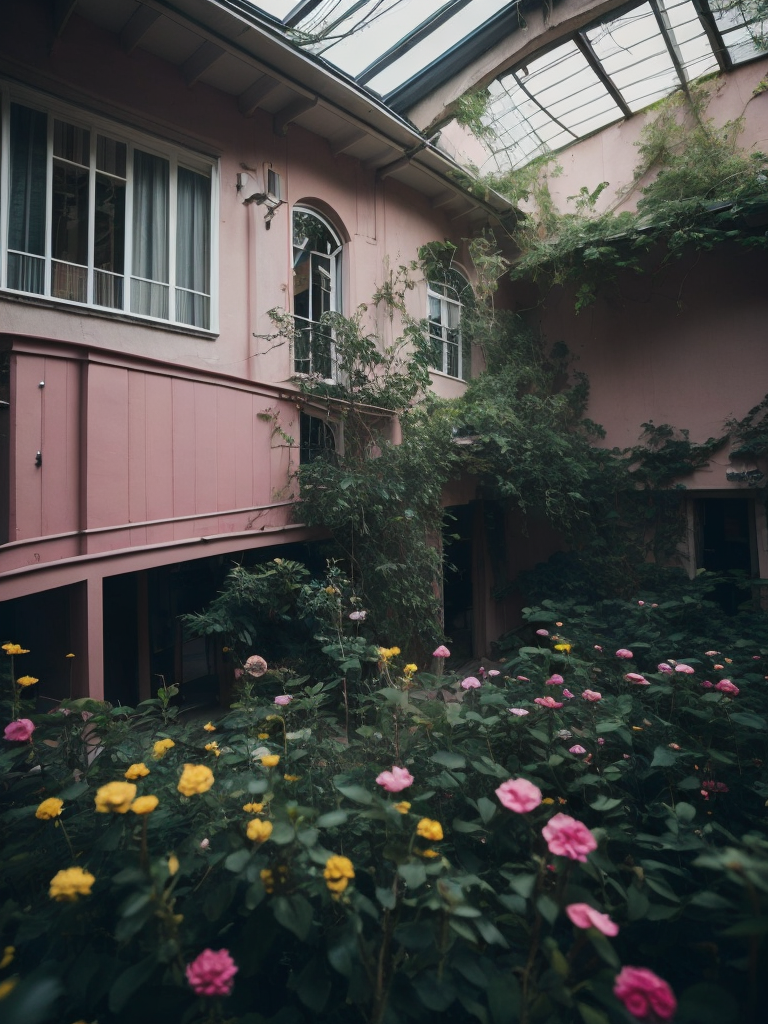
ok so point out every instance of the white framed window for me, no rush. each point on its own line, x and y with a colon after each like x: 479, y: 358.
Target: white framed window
x: 316, y: 290
x: 450, y: 351
x: 95, y: 214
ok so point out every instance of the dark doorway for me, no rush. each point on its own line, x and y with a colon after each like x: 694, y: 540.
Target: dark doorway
x: 726, y: 544
x: 457, y: 582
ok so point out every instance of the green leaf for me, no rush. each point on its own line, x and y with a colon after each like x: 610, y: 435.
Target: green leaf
x: 487, y: 808
x: 130, y: 980
x: 357, y: 793
x: 663, y: 757
x: 386, y: 898
x: 448, y: 759
x: 331, y: 819
x: 282, y: 833
x: 293, y: 913
x: 606, y: 803
x: 416, y: 935
x: 236, y: 861
x: 548, y: 909
x: 313, y: 985
x: 590, y: 1015
x: 705, y: 1003
x: 413, y: 874
x: 749, y: 719
x: 523, y: 884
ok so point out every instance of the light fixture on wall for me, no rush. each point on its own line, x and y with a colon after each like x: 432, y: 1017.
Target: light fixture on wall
x: 271, y: 196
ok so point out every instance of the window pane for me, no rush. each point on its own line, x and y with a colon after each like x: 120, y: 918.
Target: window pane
x: 109, y: 235
x: 26, y: 201
x: 69, y: 227
x: 150, y: 235
x: 72, y: 143
x: 110, y: 156
x: 193, y: 247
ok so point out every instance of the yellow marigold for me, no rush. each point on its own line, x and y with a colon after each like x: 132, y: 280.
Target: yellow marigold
x: 8, y: 954
x: 263, y: 735
x: 209, y: 727
x: 429, y: 829
x: 7, y: 986
x: 330, y: 590
x: 267, y: 880
x: 410, y: 669
x: 338, y: 872
x: 144, y: 804
x: 270, y: 760
x: 253, y: 808
x: 14, y: 649
x: 259, y: 831
x: 137, y: 771
x: 196, y: 778
x: 173, y: 864
x: 548, y: 800
x: 403, y: 807
x: 69, y: 655
x: 213, y: 748
x: 291, y: 778
x: 161, y: 748
x: 563, y: 647
x: 50, y: 808
x: 428, y: 853
x: 115, y: 797
x: 27, y: 680
x: 69, y: 884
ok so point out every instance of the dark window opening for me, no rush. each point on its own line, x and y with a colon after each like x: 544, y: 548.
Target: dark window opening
x: 317, y: 440
x: 457, y: 581
x: 727, y: 544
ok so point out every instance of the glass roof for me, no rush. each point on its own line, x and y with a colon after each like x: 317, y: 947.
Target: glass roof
x: 606, y: 71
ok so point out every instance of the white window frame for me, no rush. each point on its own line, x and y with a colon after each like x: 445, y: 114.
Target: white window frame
x: 134, y: 140
x: 439, y: 332
x: 335, y: 259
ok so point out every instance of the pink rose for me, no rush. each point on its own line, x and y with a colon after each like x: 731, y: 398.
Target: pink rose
x: 624, y: 653
x: 685, y: 669
x: 470, y: 683
x: 598, y: 648
x: 711, y: 654
x: 584, y: 916
x: 645, y: 994
x: 664, y: 667
x: 707, y: 685
x: 396, y: 780
x: 519, y: 795
x: 554, y: 680
x: 493, y: 672
x: 567, y: 837
x: 726, y: 686
x: 641, y: 603
x: 255, y: 666
x: 481, y: 672
x: 635, y: 677
x: 592, y: 695
x: 523, y: 679
x: 576, y: 749
x: 542, y: 632
x: 548, y: 702
x: 518, y: 711
x: 358, y: 616
x: 19, y: 731
x: 212, y: 973
x: 600, y: 741
x: 714, y: 787
x: 568, y: 694
x: 441, y: 652
x: 284, y: 699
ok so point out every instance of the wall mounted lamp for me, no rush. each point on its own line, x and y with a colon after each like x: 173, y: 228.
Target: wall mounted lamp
x: 270, y: 197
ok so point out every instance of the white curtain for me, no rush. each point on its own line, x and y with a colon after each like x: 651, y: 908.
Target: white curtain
x: 193, y: 248
x: 150, y: 235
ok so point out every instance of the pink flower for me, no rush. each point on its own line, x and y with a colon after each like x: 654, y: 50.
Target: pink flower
x: 576, y: 749
x: 568, y: 694
x: 664, y: 667
x: 714, y: 787
x: 238, y: 673
x: 707, y: 685
x: 19, y: 731
x: 85, y: 715
x: 518, y: 711
x: 542, y: 632
x: 519, y: 795
x: 598, y: 648
x: 711, y: 654
x: 635, y: 677
x: 624, y: 653
x: 357, y: 616
x: 645, y: 994
x: 204, y: 844
x: 685, y: 669
x: 481, y: 672
x: 554, y: 680
x: 284, y: 699
x: 255, y: 666
x: 212, y: 973
x: 470, y: 683
x: 726, y: 686
x: 641, y: 603
x: 600, y: 741
x: 567, y: 837
x: 441, y: 652
x: 584, y: 916
x: 592, y: 695
x: 523, y: 679
x: 493, y: 672
x: 396, y: 780
x: 548, y: 702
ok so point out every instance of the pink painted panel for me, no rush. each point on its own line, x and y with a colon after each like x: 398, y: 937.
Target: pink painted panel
x: 227, y: 441
x: 244, y: 411
x: 137, y: 447
x: 60, y: 405
x: 107, y: 441
x: 183, y: 410
x: 158, y: 447
x: 206, y: 438
x: 27, y: 440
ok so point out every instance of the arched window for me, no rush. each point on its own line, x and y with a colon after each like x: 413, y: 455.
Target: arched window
x: 446, y: 297
x: 316, y: 290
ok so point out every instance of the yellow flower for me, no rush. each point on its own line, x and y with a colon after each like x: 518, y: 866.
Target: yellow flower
x: 8, y: 954
x: 548, y: 800
x: 253, y: 808
x: 330, y: 590
x: 259, y: 831
x: 69, y: 655
x: 213, y: 748
x: 428, y: 853
x: 115, y: 797
x: 403, y: 807
x: 144, y: 804
x: 291, y: 778
x: 263, y: 735
x: 209, y: 727
x: 137, y: 771
x: 173, y: 864
x: 50, y: 808
x: 637, y: 728
x: 67, y: 885
x: 161, y: 748
x: 27, y: 680
x: 563, y: 647
x: 267, y: 880
x: 196, y: 778
x: 270, y: 760
x: 429, y: 829
x: 7, y: 986
x: 410, y: 669
x: 337, y: 874
x: 14, y: 649
x: 386, y: 653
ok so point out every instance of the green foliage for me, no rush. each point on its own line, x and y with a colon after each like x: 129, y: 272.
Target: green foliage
x: 470, y: 110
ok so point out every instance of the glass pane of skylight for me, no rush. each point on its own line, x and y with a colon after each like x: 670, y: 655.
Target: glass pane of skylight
x: 381, y: 29
x: 452, y: 32
x: 277, y: 8
x: 741, y: 41
x: 688, y: 34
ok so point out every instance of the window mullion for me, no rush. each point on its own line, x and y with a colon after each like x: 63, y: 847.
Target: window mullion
x: 5, y: 188
x: 128, y: 230
x: 172, y: 214
x: 48, y: 207
x: 91, y: 216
